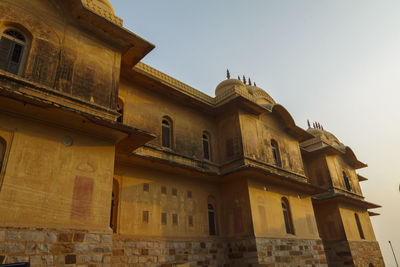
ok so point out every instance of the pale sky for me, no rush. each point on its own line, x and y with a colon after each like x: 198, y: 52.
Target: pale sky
x: 336, y: 62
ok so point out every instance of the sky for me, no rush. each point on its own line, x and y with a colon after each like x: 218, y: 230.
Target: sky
x: 335, y: 62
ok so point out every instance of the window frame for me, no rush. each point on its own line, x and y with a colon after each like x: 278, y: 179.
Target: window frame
x: 26, y: 44
x: 287, y: 216
x: 7, y: 137
x: 206, y: 142
x: 276, y: 155
x: 166, y: 123
x: 359, y: 226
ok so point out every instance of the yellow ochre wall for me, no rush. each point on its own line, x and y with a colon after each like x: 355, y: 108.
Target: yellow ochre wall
x: 337, y: 165
x: 48, y: 184
x: 145, y: 109
x: 134, y: 200
x: 350, y: 226
x: 266, y: 209
x: 62, y: 55
x: 258, y: 131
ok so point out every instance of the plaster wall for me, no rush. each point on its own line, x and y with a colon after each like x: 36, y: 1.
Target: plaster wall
x: 337, y: 165
x: 62, y: 55
x: 317, y: 170
x: 48, y: 184
x: 329, y: 220
x: 258, y: 131
x: 134, y: 200
x: 267, y: 214
x: 350, y: 226
x: 145, y: 109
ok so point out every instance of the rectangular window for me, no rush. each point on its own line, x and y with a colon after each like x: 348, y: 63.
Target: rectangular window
x: 146, y: 187
x: 175, y: 219
x: 145, y: 216
x: 163, y: 218
x: 174, y: 192
x: 189, y: 194
x: 190, y: 220
x: 163, y: 190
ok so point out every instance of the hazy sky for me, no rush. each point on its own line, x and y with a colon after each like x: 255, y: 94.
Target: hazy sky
x: 336, y: 62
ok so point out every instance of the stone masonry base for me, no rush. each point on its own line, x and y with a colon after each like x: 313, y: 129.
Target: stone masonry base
x: 290, y: 252
x: 52, y: 247
x: 353, y: 253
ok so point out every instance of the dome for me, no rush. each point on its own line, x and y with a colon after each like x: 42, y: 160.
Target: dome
x: 260, y: 95
x: 105, y: 4
x: 333, y: 140
x: 226, y: 85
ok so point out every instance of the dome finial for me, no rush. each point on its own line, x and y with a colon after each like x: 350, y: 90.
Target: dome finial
x: 249, y: 81
x: 308, y: 123
x: 228, y: 74
x: 244, y: 79
x: 239, y: 78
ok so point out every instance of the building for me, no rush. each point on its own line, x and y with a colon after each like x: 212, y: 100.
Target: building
x: 106, y: 161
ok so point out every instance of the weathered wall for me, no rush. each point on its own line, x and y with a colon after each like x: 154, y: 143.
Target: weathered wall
x: 134, y: 200
x: 330, y: 225
x: 317, y: 170
x: 350, y: 226
x: 337, y: 165
x: 143, y: 108
x: 236, y: 218
x: 258, y: 131
x: 48, y: 184
x: 267, y: 214
x: 62, y: 55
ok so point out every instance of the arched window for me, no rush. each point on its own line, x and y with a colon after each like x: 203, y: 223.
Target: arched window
x: 287, y: 216
x: 2, y: 153
x: 206, y: 146
x: 212, y: 216
x: 12, y: 50
x: 114, y: 206
x: 120, y: 110
x: 370, y: 265
x: 360, y: 230
x: 166, y: 132
x: 346, y: 181
x: 275, y: 153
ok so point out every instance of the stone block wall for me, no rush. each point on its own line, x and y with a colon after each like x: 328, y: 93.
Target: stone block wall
x: 290, y: 252
x: 353, y: 253
x: 164, y: 252
x: 366, y: 252
x: 51, y: 247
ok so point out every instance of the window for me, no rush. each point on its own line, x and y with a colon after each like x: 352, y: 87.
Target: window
x: 2, y: 152
x: 190, y: 220
x: 166, y: 132
x: 175, y: 219
x: 174, y: 192
x: 163, y: 218
x: 12, y: 47
x: 145, y: 216
x: 114, y: 206
x: 287, y: 216
x: 163, y: 190
x: 120, y: 110
x: 206, y: 146
x: 346, y: 181
x: 189, y: 194
x: 360, y: 230
x: 146, y: 187
x: 211, y: 220
x: 275, y: 153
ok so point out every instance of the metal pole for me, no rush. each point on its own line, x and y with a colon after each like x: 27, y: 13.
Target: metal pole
x: 394, y: 255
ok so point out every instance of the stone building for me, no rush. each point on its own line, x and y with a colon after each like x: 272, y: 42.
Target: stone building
x: 106, y: 161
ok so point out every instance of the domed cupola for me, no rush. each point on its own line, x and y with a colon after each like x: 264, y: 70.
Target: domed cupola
x: 229, y: 85
x: 318, y: 131
x: 103, y: 8
x: 260, y: 95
